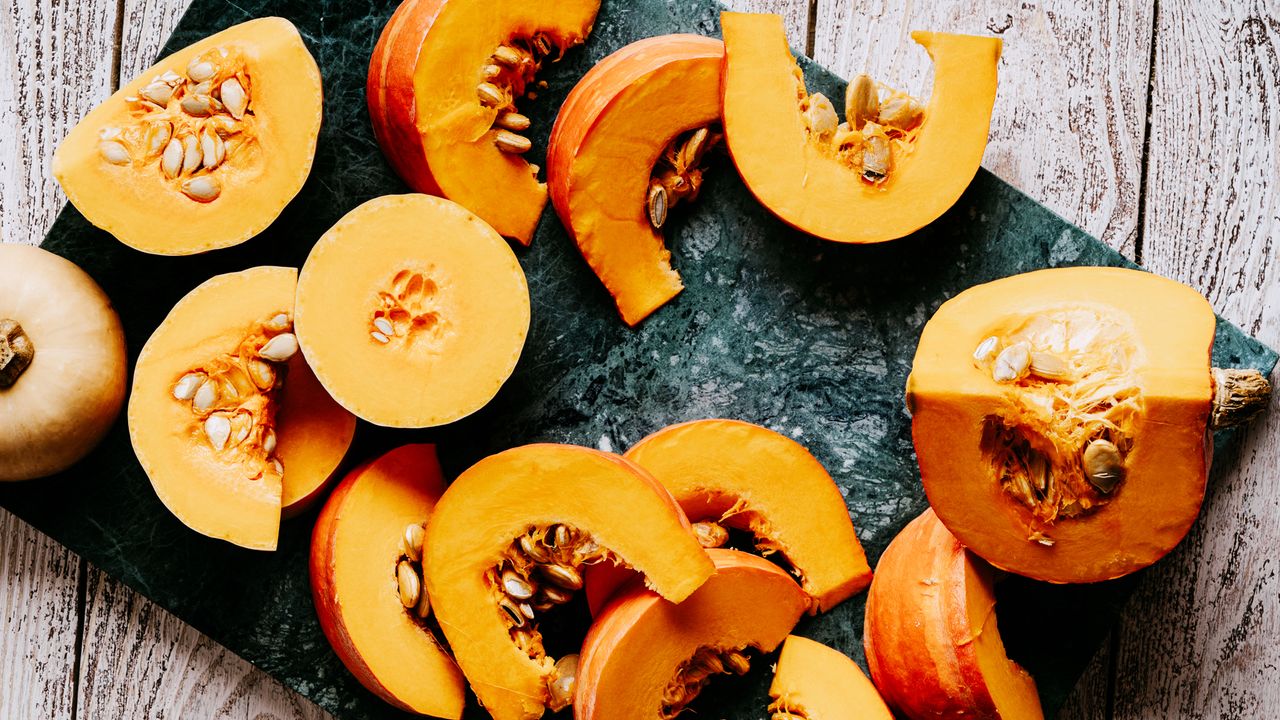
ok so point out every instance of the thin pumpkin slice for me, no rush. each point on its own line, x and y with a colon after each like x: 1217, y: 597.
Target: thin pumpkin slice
x: 204, y: 149
x: 1060, y: 418
x: 895, y: 165
x: 627, y: 146
x: 816, y: 682
x: 366, y: 581
x: 931, y: 637
x: 508, y: 542
x: 225, y: 416
x: 647, y: 658
x: 445, y: 82
x: 412, y: 311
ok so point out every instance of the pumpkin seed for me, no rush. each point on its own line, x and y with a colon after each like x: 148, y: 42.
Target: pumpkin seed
x: 158, y: 135
x: 114, y: 152
x: 414, y: 537
x: 541, y: 45
x: 1103, y: 465
x: 657, y: 204
x: 516, y: 587
x: 490, y: 72
x: 380, y: 337
x: 205, y: 188
x: 217, y: 428
x: 711, y: 663
x: 234, y: 97
x: 269, y: 441
x: 901, y: 113
x: 212, y: 150
x: 513, y: 121
x: 191, y: 155
x: 206, y: 396
x: 1049, y: 366
x: 1038, y: 472
x: 490, y: 95
x: 409, y: 584
x: 277, y: 466
x: 876, y: 155
x: 241, y: 425
x: 171, y: 160
x: 1012, y: 363
x: 262, y: 374
x: 384, y: 326
x: 197, y: 105
x: 507, y: 55
x: 423, y: 609
x: 510, y: 142
x: 186, y: 387
x: 561, y: 536
x: 279, y: 348
x: 204, y: 88
x: 821, y: 115
x: 278, y: 323
x: 562, y: 575
x: 512, y: 612
x: 694, y: 148
x: 201, y: 70
x: 861, y: 101
x: 554, y: 595
x: 561, y: 688
x: 157, y: 92
x: 986, y: 349
x: 710, y: 534
x: 737, y: 662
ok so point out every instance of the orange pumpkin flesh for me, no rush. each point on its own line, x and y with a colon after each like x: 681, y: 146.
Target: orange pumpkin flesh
x: 607, y: 140
x: 215, y: 335
x: 931, y: 637
x: 1003, y: 463
x: 608, y: 509
x: 815, y: 682
x: 646, y: 657
x: 248, y: 162
x: 355, y: 549
x: 810, y: 179
x: 412, y: 311
x: 428, y: 115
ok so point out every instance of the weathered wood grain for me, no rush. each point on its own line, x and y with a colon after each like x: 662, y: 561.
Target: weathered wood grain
x: 1207, y: 642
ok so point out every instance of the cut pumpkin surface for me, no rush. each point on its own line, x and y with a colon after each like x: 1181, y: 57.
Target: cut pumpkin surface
x: 816, y: 682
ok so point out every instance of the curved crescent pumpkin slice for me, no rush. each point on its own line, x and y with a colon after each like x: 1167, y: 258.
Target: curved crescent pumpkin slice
x: 225, y: 416
x: 636, y: 124
x: 931, y: 637
x: 815, y: 682
x: 412, y: 311
x: 508, y: 541
x: 443, y: 85
x: 205, y: 148
x: 367, y: 534
x: 893, y: 167
x: 646, y: 657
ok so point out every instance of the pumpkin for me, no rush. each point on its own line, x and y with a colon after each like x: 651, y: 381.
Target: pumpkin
x: 62, y: 363
x: 658, y: 99
x: 444, y: 83
x: 508, y: 542
x: 205, y: 148
x: 1060, y: 418
x: 895, y: 165
x: 647, y: 657
x: 225, y: 416
x: 366, y: 581
x: 815, y: 682
x: 932, y: 641
x: 412, y: 311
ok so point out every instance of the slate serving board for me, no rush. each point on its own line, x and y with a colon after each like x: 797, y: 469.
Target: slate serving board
x: 810, y: 338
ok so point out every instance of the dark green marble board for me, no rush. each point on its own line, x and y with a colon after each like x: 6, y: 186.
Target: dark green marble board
x: 810, y: 338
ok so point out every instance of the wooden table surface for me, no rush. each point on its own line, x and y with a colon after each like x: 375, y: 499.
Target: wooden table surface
x: 1153, y: 125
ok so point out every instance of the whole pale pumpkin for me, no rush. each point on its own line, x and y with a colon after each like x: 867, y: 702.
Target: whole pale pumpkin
x: 62, y: 363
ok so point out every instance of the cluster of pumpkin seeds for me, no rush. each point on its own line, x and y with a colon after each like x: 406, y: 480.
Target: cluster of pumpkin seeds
x: 234, y: 395
x: 188, y: 125
x: 880, y: 124
x: 677, y: 176
x: 410, y: 582
x: 405, y: 308
x: 508, y: 74
x: 694, y: 674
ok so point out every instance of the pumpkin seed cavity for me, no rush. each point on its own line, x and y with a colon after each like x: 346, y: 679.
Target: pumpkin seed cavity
x: 407, y: 309
x: 695, y: 673
x: 677, y: 176
x: 510, y: 74
x: 881, y: 125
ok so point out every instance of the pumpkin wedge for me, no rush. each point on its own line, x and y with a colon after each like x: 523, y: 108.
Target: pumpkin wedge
x: 444, y: 83
x: 895, y: 164
x: 647, y: 658
x: 225, y: 416
x: 205, y: 148
x: 931, y: 636
x: 366, y: 580
x: 815, y: 682
x: 659, y: 98
x: 508, y: 542
x: 1060, y: 418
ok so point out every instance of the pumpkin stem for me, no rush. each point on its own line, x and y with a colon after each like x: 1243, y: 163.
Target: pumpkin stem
x: 16, y: 352
x: 1238, y: 396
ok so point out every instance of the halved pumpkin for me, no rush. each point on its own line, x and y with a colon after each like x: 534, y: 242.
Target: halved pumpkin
x: 224, y: 414
x: 1060, y: 418
x: 443, y: 85
x: 931, y: 636
x: 508, y: 541
x: 205, y: 148
x: 627, y: 145
x: 646, y: 657
x: 893, y: 167
x: 369, y: 534
x: 412, y: 311
x: 815, y: 682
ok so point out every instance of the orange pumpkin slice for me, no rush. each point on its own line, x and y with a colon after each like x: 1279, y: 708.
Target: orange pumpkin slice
x: 205, y: 148
x: 655, y: 97
x: 412, y: 311
x: 815, y: 682
x: 369, y: 532
x: 893, y: 167
x: 225, y: 415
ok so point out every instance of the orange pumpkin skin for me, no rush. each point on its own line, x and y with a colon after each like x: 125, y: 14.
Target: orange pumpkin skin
x: 931, y: 638
x: 636, y: 646
x: 1162, y: 331
x: 359, y: 531
x: 641, y: 97
x: 821, y: 683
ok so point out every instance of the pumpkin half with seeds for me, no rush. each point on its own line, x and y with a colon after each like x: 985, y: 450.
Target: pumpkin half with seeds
x: 816, y: 682
x: 629, y: 145
x: 646, y: 657
x: 1061, y: 418
x: 444, y: 88
x: 893, y: 166
x: 225, y: 416
x: 366, y: 581
x: 205, y: 148
x: 508, y: 543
